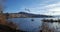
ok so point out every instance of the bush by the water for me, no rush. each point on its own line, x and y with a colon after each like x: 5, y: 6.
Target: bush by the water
x: 5, y: 28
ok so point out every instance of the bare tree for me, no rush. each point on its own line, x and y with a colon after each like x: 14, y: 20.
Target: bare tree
x: 2, y: 5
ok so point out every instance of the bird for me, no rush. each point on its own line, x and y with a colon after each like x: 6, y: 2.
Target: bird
x: 32, y: 19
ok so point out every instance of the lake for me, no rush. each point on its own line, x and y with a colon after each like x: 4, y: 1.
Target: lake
x: 32, y: 24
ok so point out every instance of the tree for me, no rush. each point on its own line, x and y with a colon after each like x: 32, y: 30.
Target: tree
x: 2, y: 2
x: 7, y: 15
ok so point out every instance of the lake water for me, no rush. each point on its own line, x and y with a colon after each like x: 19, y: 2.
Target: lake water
x: 32, y: 24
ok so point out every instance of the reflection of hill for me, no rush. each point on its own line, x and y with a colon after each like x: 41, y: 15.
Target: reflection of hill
x: 25, y: 15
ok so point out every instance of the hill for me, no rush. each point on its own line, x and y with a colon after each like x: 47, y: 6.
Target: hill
x: 33, y: 15
x: 26, y: 15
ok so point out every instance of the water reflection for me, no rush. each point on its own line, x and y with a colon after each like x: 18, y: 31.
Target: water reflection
x: 55, y: 25
x: 52, y: 24
x: 26, y: 24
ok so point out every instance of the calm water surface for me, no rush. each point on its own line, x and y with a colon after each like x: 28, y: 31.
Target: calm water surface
x: 27, y: 24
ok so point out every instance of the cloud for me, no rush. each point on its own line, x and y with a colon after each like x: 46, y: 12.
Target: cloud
x: 54, y: 9
x: 48, y: 7
x: 51, y: 9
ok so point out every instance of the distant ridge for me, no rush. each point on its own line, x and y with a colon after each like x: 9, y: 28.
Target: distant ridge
x: 26, y: 15
x: 33, y: 15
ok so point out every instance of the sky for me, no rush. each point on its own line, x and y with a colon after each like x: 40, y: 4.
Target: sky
x: 46, y: 7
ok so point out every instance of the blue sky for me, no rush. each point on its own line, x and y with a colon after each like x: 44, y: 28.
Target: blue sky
x: 47, y: 7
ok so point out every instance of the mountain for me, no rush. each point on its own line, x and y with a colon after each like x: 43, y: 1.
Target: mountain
x: 33, y: 15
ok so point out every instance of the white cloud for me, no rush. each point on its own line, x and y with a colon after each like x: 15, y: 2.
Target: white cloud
x: 53, y: 9
x: 46, y: 7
